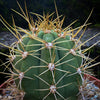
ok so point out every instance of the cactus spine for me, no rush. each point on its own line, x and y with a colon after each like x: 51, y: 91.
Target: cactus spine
x: 47, y: 61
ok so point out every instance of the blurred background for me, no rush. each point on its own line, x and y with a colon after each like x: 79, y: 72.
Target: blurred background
x: 71, y: 9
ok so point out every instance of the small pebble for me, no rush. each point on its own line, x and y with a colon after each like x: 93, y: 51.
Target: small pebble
x: 95, y: 96
x: 5, y: 97
x: 10, y: 97
x: 91, y: 93
x: 0, y: 96
x: 7, y: 92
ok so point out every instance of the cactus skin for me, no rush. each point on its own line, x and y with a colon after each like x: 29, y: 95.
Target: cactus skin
x: 37, y: 62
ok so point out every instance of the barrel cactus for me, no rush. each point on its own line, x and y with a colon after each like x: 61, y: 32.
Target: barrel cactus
x: 47, y: 61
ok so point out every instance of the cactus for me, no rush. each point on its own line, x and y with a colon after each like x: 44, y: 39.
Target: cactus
x: 50, y: 66
x: 47, y: 61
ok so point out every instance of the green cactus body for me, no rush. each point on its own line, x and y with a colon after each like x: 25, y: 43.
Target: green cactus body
x: 48, y: 63
x: 49, y: 66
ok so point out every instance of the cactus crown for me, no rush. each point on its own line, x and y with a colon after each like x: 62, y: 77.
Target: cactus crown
x: 47, y: 61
